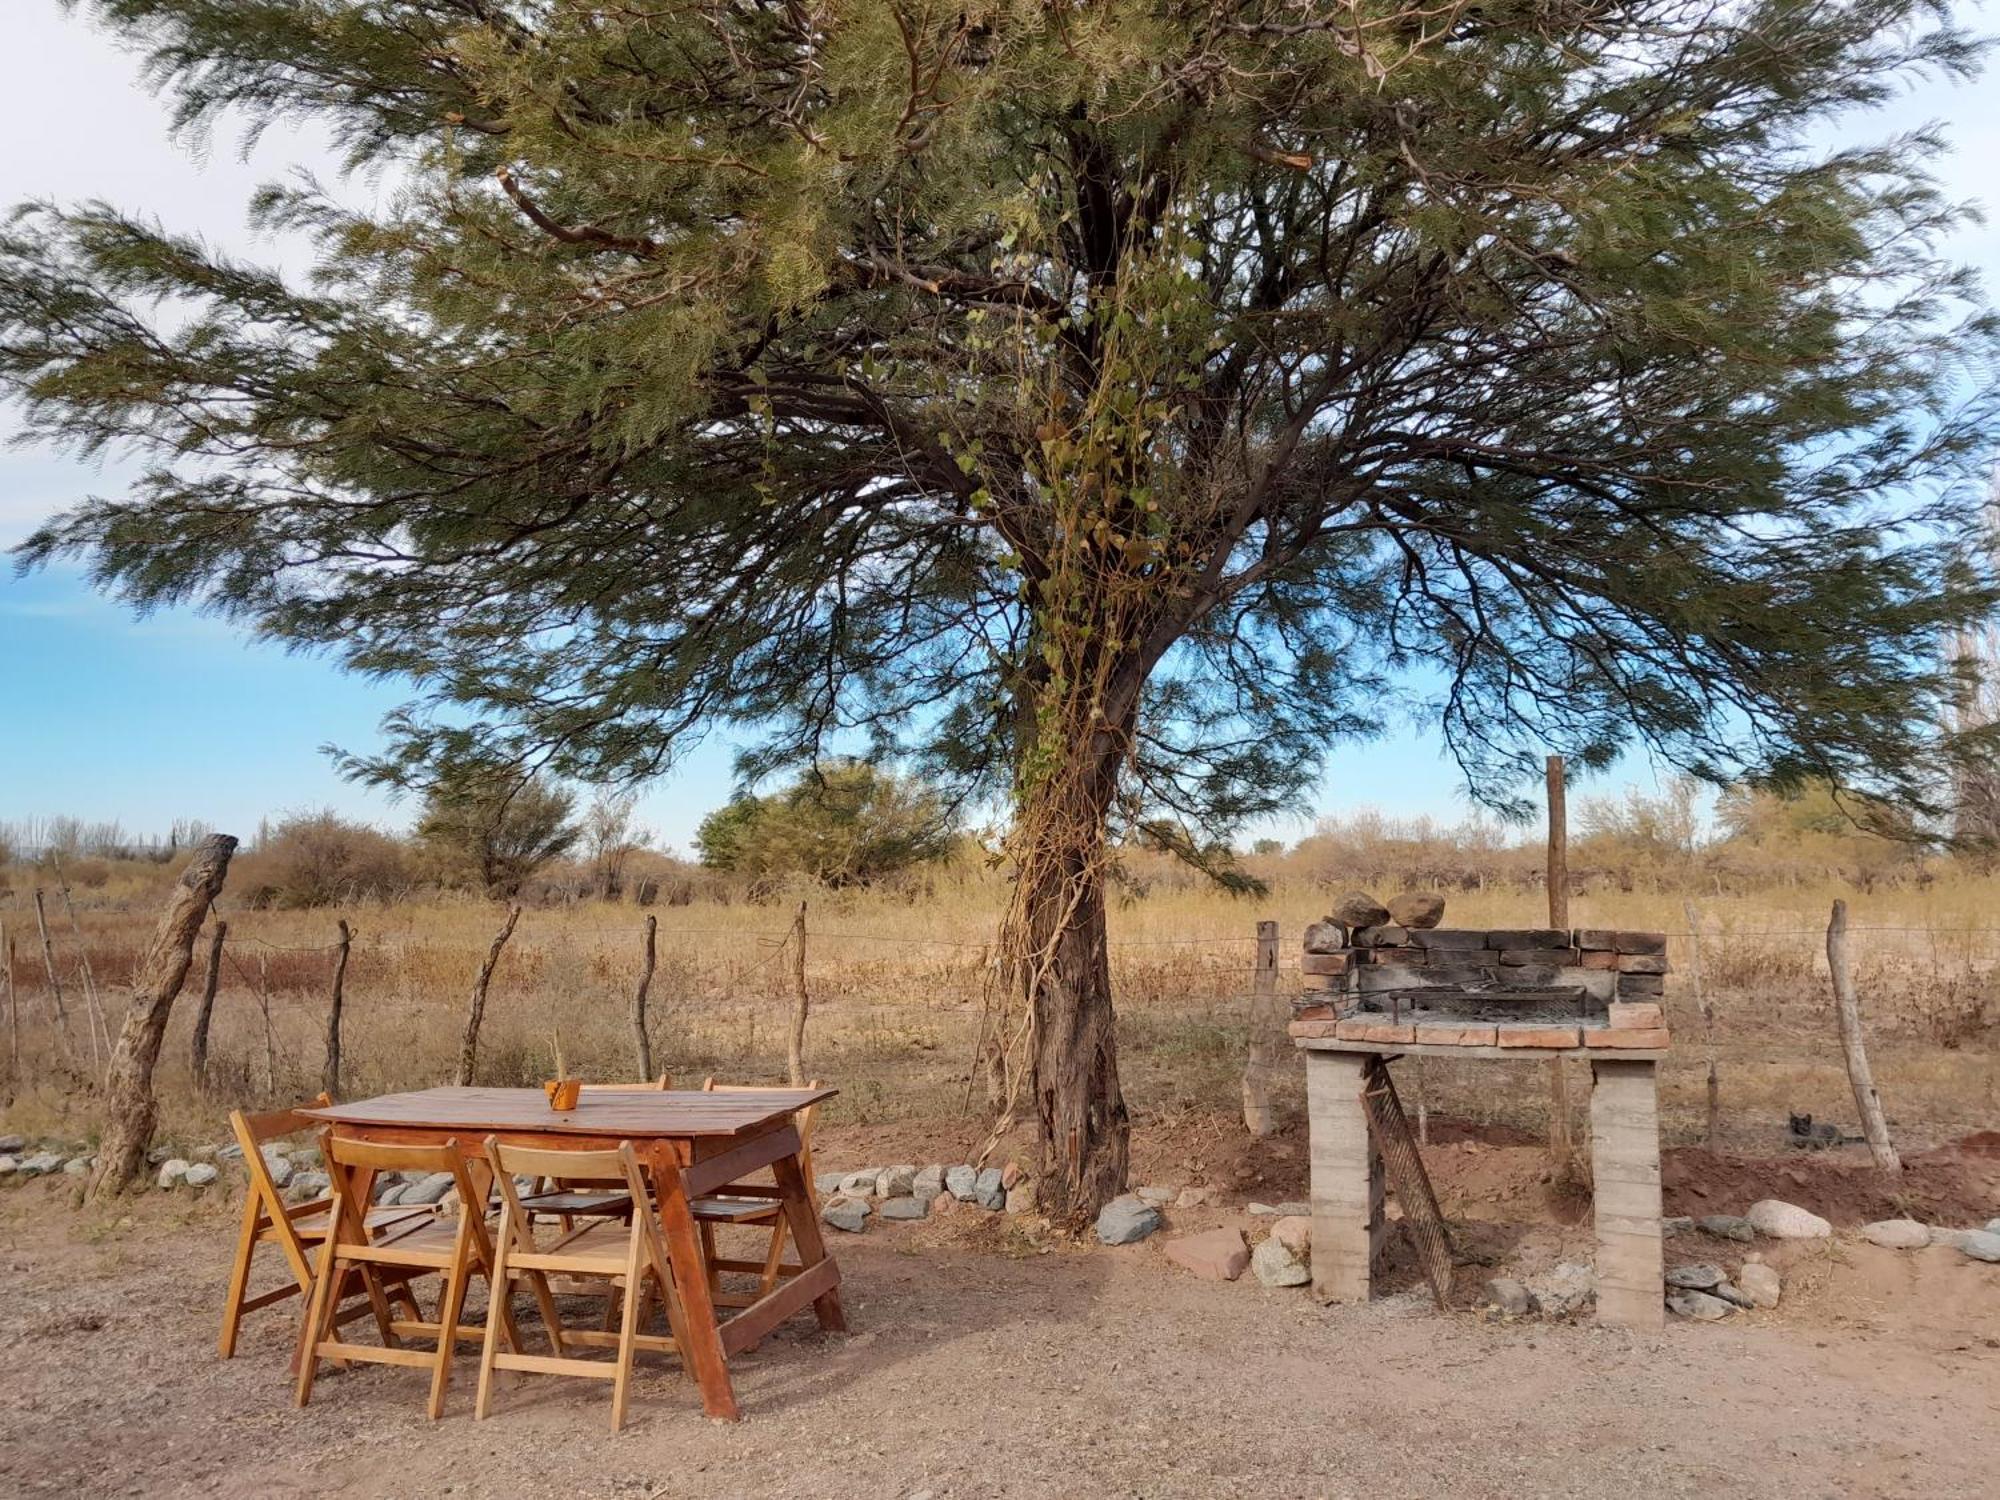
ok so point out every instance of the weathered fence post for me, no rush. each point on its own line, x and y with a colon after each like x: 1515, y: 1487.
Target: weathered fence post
x: 1707, y: 1020
x: 795, y: 1044
x: 468, y: 1051
x: 1848, y: 1006
x: 49, y: 968
x: 93, y: 1012
x: 642, y: 1038
x: 329, y: 1076
x: 198, y: 1046
x: 130, y: 1105
x: 1267, y: 1035
x: 1562, y: 1144
x: 13, y: 1000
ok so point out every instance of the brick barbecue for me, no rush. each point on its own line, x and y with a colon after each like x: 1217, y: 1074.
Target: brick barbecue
x: 1376, y: 992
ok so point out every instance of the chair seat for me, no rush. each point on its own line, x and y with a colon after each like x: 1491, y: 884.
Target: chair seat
x: 735, y: 1210
x: 313, y: 1226
x: 599, y: 1249
x: 608, y: 1204
x: 433, y: 1236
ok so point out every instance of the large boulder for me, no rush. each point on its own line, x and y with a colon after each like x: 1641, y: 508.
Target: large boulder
x: 1416, y: 910
x: 1325, y: 937
x: 171, y: 1173
x: 1507, y: 1296
x: 906, y: 1207
x: 1897, y: 1234
x: 1700, y: 1277
x: 1127, y: 1220
x: 1214, y: 1255
x: 1569, y: 1288
x: 200, y: 1175
x: 895, y: 1182
x: 1277, y: 1264
x: 1358, y: 909
x: 1295, y: 1233
x: 1727, y: 1227
x: 928, y: 1183
x: 1778, y: 1220
x: 859, y: 1184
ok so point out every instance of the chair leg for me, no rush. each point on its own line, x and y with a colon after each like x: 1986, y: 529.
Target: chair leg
x: 497, y: 1290
x: 774, y: 1259
x: 454, y: 1300
x: 628, y: 1327
x: 239, y: 1277
x: 318, y: 1321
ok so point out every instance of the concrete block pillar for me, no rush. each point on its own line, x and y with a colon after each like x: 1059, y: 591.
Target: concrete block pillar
x: 1625, y: 1161
x: 1348, y: 1217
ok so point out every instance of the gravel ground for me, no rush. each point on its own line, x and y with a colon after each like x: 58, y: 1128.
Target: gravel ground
x: 978, y: 1373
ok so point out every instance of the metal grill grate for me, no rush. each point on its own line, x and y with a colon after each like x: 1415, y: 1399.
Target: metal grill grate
x: 1412, y: 1184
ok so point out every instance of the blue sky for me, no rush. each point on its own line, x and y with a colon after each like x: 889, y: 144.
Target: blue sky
x: 175, y: 715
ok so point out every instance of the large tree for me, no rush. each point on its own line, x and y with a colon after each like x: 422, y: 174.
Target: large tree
x: 1106, y: 408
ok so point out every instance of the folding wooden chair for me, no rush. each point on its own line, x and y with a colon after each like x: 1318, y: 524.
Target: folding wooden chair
x: 457, y: 1249
x: 756, y: 1204
x: 628, y: 1258
x: 569, y: 1198
x: 295, y: 1228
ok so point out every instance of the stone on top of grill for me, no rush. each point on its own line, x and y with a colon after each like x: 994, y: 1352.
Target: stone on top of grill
x: 1604, y: 939
x: 1416, y: 910
x: 1527, y: 937
x: 1449, y: 937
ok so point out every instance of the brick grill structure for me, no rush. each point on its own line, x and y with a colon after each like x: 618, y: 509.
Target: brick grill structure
x: 1375, y: 993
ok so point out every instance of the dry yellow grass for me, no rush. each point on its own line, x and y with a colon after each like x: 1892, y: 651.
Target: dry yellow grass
x: 899, y: 986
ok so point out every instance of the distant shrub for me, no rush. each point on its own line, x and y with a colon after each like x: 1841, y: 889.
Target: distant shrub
x: 842, y: 824
x: 488, y: 831
x: 321, y: 859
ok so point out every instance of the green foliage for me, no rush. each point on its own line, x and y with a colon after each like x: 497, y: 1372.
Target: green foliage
x: 1141, y: 399
x: 841, y: 824
x: 491, y: 832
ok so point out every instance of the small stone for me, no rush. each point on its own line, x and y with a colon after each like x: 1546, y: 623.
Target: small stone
x: 928, y: 1183
x: 279, y: 1164
x: 1978, y: 1244
x: 1010, y: 1174
x: 1950, y: 1239
x: 1508, y: 1296
x: 200, y: 1175
x: 77, y: 1166
x: 987, y: 1192
x: 1388, y: 935
x: 1194, y: 1197
x: 1569, y: 1288
x: 962, y: 1183
x: 1897, y: 1234
x: 1759, y: 1284
x: 1215, y: 1255
x: 1676, y: 1224
x: 895, y: 1182
x: 1159, y: 1197
x: 428, y: 1189
x: 1325, y: 937
x: 1276, y: 1265
x: 859, y: 1184
x: 13, y: 1145
x: 1358, y: 909
x: 1416, y: 910
x: 1727, y: 1227
x: 1698, y: 1277
x: 1992, y: 1227
x: 1779, y: 1220
x: 1021, y: 1198
x: 1126, y: 1220
x: 7, y: 1166
x: 40, y: 1164
x: 307, y: 1186
x: 1285, y: 1210
x: 827, y: 1182
x: 945, y: 1203
x: 905, y: 1207
x: 1731, y: 1295
x: 1295, y: 1233
x: 1699, y: 1306
x: 850, y: 1214
x: 307, y: 1156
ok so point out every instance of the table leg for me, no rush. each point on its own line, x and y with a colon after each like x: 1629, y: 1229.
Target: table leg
x: 805, y: 1234
x: 701, y: 1348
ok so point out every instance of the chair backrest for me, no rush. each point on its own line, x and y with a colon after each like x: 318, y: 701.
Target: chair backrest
x: 267, y: 1209
x: 346, y: 1158
x: 801, y: 1118
x: 620, y: 1164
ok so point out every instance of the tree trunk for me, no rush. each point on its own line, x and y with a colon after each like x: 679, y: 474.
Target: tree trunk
x: 329, y: 1076
x: 1267, y: 1036
x: 642, y: 1037
x: 198, y: 1047
x: 1059, y: 978
x: 130, y: 1107
x: 795, y: 1044
x: 1848, y: 1004
x: 468, y: 1051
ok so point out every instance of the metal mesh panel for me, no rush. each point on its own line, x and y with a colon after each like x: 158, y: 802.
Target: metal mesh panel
x: 1412, y: 1184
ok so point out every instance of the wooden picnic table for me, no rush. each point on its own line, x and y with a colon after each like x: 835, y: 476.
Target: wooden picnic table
x: 691, y: 1142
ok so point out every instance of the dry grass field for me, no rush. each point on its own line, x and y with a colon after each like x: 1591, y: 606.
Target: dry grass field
x: 900, y: 984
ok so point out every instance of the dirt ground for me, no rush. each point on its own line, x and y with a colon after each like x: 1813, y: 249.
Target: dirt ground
x: 986, y: 1362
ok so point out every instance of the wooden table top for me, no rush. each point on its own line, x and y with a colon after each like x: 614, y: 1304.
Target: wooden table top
x: 680, y: 1112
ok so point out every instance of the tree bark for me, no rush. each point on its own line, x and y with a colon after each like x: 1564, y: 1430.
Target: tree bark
x: 1267, y: 1035
x: 329, y: 1076
x: 198, y: 1046
x: 468, y: 1051
x: 642, y: 1037
x: 795, y: 1044
x: 130, y: 1105
x: 1848, y: 1005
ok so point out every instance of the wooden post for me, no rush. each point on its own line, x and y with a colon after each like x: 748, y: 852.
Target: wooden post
x: 795, y: 1044
x: 329, y: 1075
x: 468, y: 1050
x: 13, y: 1000
x: 1707, y: 1022
x: 1848, y: 1006
x: 49, y: 968
x: 130, y: 1106
x: 1562, y: 1142
x: 1267, y: 1035
x: 93, y: 1012
x: 642, y: 1038
x: 270, y: 1037
x: 198, y: 1047
x: 1625, y: 1163
x: 1346, y: 1176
